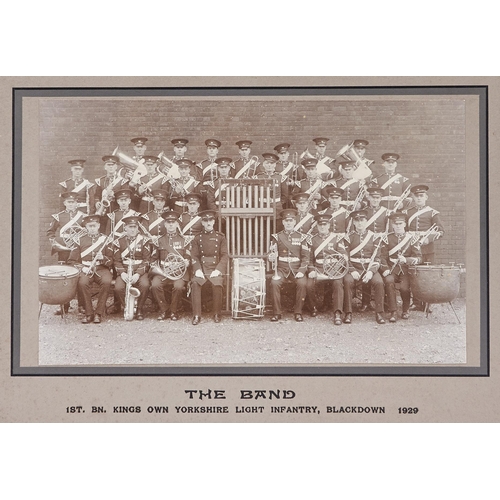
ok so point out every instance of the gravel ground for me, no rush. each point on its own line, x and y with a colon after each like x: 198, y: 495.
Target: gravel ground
x: 436, y: 339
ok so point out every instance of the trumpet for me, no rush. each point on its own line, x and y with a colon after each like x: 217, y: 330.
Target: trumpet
x: 273, y: 250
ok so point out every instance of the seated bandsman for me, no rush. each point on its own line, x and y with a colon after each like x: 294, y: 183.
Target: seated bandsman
x: 209, y: 258
x: 82, y: 188
x: 131, y: 256
x: 94, y: 258
x: 396, y: 195
x: 424, y: 221
x: 312, y: 184
x: 151, y: 181
x: 289, y: 254
x: 182, y: 186
x: 354, y: 189
x: 139, y: 145
x: 190, y: 221
x: 206, y: 170
x: 402, y: 250
x: 115, y: 219
x: 217, y: 195
x: 153, y: 221
x: 169, y: 270
x: 280, y: 187
x: 364, y: 262
x: 245, y: 166
x: 324, y: 246
x: 305, y: 213
x: 107, y: 185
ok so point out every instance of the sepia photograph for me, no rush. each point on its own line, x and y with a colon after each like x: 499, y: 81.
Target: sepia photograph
x: 254, y: 229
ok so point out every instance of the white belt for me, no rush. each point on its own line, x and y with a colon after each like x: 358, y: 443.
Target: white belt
x: 361, y: 261
x: 131, y: 261
x: 289, y: 259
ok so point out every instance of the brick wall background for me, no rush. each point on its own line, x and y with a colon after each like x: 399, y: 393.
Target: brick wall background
x: 429, y: 135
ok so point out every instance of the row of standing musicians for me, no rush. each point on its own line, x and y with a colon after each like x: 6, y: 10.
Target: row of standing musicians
x: 336, y: 196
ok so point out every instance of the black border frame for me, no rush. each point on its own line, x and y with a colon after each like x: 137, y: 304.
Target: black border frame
x: 261, y: 370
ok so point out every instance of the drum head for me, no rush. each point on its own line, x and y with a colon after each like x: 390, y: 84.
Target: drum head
x: 57, y: 271
x: 248, y: 291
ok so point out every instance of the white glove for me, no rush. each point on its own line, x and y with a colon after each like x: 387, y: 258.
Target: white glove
x: 313, y: 274
x: 135, y: 278
x: 367, y: 277
x: 85, y: 270
x: 124, y: 277
x: 386, y: 273
x: 299, y: 275
x: 271, y: 257
x: 199, y: 274
x: 215, y: 273
x: 355, y: 275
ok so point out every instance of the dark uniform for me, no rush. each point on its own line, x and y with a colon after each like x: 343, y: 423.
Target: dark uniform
x: 245, y: 168
x: 322, y: 246
x: 351, y: 188
x: 83, y: 256
x: 280, y: 186
x: 206, y: 170
x: 364, y: 256
x: 181, y: 187
x: 152, y: 182
x: 133, y: 252
x: 338, y: 216
x: 190, y: 222
x: 82, y: 188
x: 208, y: 254
x: 394, y: 271
x: 153, y: 221
x: 108, y: 184
x: 169, y: 244
x: 292, y: 257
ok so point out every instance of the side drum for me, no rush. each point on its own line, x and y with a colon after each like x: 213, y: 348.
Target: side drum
x: 435, y: 284
x: 57, y: 284
x: 249, y: 288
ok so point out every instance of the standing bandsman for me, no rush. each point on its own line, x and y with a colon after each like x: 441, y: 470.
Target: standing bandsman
x: 151, y: 181
x: 305, y: 214
x: 190, y: 221
x: 325, y: 163
x: 131, y: 251
x: 324, y: 245
x: 180, y: 149
x: 139, y: 148
x: 79, y: 186
x: 153, y: 221
x: 181, y: 187
x: 285, y: 167
x: 209, y: 258
x: 364, y: 262
x: 354, y: 189
x: 170, y: 273
x: 206, y: 170
x: 392, y: 184
x: 107, y: 185
x: 280, y: 186
x: 424, y: 221
x: 312, y: 184
x: 289, y: 254
x: 245, y: 166
x: 362, y: 168
x: 402, y: 249
x: 93, y: 257
x: 215, y: 195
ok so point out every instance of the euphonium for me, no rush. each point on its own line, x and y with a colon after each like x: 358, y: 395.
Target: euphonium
x: 131, y: 295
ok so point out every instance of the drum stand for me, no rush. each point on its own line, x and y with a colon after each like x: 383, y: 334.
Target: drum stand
x: 63, y: 313
x: 428, y: 307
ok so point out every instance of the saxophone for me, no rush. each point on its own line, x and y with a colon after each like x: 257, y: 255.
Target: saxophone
x: 131, y: 295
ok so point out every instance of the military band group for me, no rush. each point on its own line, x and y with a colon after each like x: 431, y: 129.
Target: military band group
x: 151, y: 224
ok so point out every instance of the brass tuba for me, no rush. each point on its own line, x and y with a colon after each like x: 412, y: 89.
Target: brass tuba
x: 131, y: 295
x: 130, y: 168
x: 362, y: 164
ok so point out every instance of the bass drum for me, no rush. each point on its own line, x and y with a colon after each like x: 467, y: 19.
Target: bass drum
x: 249, y: 288
x: 57, y: 284
x: 435, y: 284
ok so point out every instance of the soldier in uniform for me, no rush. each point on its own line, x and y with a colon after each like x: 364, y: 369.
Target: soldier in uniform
x: 392, y: 184
x: 151, y: 181
x: 93, y: 257
x: 153, y: 221
x: 182, y: 186
x: 401, y: 250
x: 206, y: 170
x: 216, y: 196
x: 280, y: 186
x: 325, y: 244
x: 180, y: 149
x: 107, y: 185
x: 352, y: 199
x: 139, y: 147
x: 312, y: 184
x: 285, y: 167
x: 323, y: 159
x: 83, y: 188
x: 305, y: 214
x: 131, y: 251
x: 170, y: 243
x: 209, y: 257
x: 190, y: 221
x: 244, y: 166
x: 289, y: 254
x: 361, y: 169
x: 364, y: 262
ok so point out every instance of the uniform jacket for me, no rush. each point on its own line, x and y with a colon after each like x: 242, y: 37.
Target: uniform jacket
x: 280, y: 186
x: 171, y: 244
x: 104, y: 182
x: 216, y: 196
x: 135, y: 251
x: 420, y: 220
x: 209, y: 253
x: 190, y: 224
x: 377, y: 219
x: 393, y: 186
x: 64, y: 224
x: 364, y: 252
x: 206, y: 170
x: 338, y: 219
x: 179, y: 189
x: 240, y: 164
x: 405, y: 245
x: 293, y: 252
x: 84, y: 253
x: 321, y: 247
x: 154, y: 223
x: 115, y: 221
x: 84, y: 191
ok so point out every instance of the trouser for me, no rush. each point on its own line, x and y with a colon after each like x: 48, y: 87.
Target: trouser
x: 103, y: 277
x: 196, y: 297
x: 142, y: 285
x: 300, y: 292
x: 336, y: 300
x: 404, y: 289
x: 366, y: 294
x: 159, y: 285
x: 377, y: 285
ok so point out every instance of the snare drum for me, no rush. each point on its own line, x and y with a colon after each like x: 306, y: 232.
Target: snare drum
x: 57, y: 284
x: 249, y: 288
